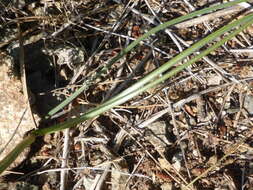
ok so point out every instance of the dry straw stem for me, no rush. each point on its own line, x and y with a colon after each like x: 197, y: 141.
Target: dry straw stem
x: 23, y: 73
x: 212, y: 16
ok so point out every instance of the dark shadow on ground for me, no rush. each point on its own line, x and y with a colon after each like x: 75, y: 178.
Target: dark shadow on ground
x: 42, y: 77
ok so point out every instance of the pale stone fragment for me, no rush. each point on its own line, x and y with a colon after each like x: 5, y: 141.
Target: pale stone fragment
x: 12, y: 108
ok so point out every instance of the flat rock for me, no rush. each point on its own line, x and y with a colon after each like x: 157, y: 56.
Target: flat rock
x: 12, y: 112
x: 248, y: 103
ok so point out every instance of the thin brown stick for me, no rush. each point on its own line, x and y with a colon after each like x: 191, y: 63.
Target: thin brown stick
x: 23, y: 72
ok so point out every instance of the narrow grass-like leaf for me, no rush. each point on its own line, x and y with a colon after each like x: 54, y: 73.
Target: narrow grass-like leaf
x: 137, y: 89
x: 147, y: 82
x: 178, y: 58
x: 135, y: 43
x: 11, y: 157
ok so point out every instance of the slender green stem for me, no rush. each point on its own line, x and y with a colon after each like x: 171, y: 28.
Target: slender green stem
x: 7, y: 161
x: 128, y: 94
x: 147, y: 82
x: 135, y: 43
x: 178, y: 58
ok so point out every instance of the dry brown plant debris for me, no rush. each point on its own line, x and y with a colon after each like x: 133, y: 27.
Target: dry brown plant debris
x: 162, y: 139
